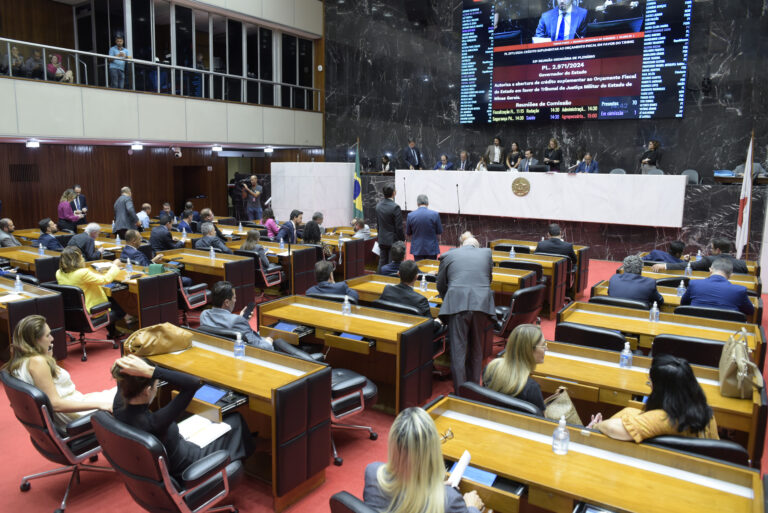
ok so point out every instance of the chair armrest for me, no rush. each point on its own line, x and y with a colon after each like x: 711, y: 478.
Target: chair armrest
x: 79, y: 426
x: 196, y: 288
x: 345, y: 382
x: 100, y: 308
x: 205, y: 468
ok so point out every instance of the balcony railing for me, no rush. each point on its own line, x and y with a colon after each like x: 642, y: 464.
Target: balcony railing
x: 93, y: 69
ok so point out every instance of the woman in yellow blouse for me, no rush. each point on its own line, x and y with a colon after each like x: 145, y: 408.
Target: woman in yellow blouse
x: 72, y: 271
x: 677, y: 406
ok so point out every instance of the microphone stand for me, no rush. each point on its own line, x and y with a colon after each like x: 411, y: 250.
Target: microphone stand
x: 458, y: 201
x: 405, y: 195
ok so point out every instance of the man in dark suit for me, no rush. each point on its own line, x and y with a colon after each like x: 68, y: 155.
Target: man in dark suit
x: 389, y: 222
x: 195, y: 214
x: 444, y: 164
x: 125, y: 213
x: 587, y: 165
x: 132, y: 243
x: 495, y: 155
x: 160, y: 238
x: 85, y: 241
x: 527, y: 162
x: 423, y: 226
x: 403, y: 292
x: 325, y: 283
x: 719, y: 248
x: 288, y: 230
x: 46, y: 239
x: 79, y: 204
x: 673, y: 256
x: 717, y: 292
x: 464, y: 283
x: 206, y: 216
x: 412, y: 156
x: 632, y: 285
x: 397, y: 255
x: 464, y: 164
x: 555, y: 244
x: 567, y: 21
x: 210, y: 240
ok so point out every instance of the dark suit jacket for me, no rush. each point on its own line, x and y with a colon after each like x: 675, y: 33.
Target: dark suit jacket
x: 86, y: 245
x: 48, y: 241
x: 448, y: 165
x: 583, y: 168
x: 402, y: 293
x: 423, y: 226
x: 634, y: 286
x: 717, y: 292
x: 558, y: 247
x: 409, y: 158
x: 216, y: 229
x: 205, y: 243
x: 464, y: 281
x: 136, y: 256
x: 389, y: 221
x: 739, y: 266
x: 657, y: 255
x: 548, y: 23
x: 489, y: 151
x: 80, y: 199
x: 390, y: 269
x: 161, y: 239
x: 468, y: 165
x: 125, y: 213
x: 326, y: 287
x: 287, y: 233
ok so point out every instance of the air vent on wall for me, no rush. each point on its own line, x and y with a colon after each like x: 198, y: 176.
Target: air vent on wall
x: 24, y: 173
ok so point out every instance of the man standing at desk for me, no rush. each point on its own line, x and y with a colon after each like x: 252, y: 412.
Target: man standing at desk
x: 389, y: 220
x: 564, y: 22
x: 717, y: 292
x: 412, y: 156
x: 220, y: 316
x: 423, y: 226
x: 79, y: 204
x: 528, y: 162
x: 464, y: 283
x: 288, y: 230
x: 125, y: 213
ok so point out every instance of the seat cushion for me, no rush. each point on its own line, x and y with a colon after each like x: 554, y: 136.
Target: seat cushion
x: 370, y: 394
x: 345, y: 381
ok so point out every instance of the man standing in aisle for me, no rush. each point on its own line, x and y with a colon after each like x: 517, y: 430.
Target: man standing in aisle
x: 389, y: 222
x: 125, y: 214
x: 464, y: 283
x: 423, y: 226
x: 253, y: 203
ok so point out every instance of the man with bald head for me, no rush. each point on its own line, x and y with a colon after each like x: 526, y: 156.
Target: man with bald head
x: 464, y: 283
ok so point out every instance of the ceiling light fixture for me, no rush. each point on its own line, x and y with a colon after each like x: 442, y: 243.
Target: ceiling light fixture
x: 269, y: 149
x: 216, y: 147
x: 33, y: 144
x: 137, y: 146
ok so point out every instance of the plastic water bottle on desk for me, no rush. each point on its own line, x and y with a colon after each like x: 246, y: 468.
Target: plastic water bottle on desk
x: 212, y: 254
x: 18, y: 286
x: 625, y: 358
x: 424, y: 285
x: 40, y: 249
x: 183, y: 235
x: 129, y: 267
x: 688, y: 270
x: 512, y: 253
x: 282, y: 244
x: 561, y: 438
x: 117, y: 240
x: 240, y: 227
x: 239, y: 347
x: 654, y: 313
x: 699, y: 256
x: 681, y: 289
x: 346, y: 308
x: 113, y: 226
x: 340, y: 241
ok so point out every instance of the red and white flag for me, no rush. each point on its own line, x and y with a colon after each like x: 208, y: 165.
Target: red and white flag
x: 745, y: 200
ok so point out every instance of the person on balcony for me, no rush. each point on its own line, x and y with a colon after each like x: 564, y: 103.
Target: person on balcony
x: 56, y: 70
x: 117, y: 66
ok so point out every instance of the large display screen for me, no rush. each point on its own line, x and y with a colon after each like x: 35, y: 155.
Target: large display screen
x: 527, y: 60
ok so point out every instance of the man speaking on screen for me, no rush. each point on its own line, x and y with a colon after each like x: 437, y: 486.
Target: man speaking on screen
x: 566, y: 21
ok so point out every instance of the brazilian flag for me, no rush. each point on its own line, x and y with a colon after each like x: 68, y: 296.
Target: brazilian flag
x: 357, y: 189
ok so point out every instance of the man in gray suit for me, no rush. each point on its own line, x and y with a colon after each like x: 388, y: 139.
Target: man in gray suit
x: 7, y: 240
x: 221, y: 316
x: 464, y: 283
x: 125, y: 214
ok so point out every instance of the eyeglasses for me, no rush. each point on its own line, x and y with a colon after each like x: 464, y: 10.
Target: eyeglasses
x: 543, y: 345
x: 448, y: 435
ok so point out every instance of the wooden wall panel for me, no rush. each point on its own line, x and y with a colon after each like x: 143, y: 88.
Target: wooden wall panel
x: 102, y: 171
x: 263, y: 166
x: 38, y: 21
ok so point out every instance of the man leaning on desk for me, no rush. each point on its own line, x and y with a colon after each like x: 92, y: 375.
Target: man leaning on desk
x: 719, y: 248
x: 220, y: 315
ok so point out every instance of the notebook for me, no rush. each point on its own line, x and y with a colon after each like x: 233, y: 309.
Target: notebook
x: 210, y: 394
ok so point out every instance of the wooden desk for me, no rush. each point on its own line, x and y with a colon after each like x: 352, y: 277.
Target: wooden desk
x: 190, y: 240
x: 556, y: 270
x: 288, y: 401
x: 503, y: 281
x: 395, y: 353
x: 27, y: 234
x: 371, y: 286
x: 594, y: 375
x: 104, y: 228
x: 581, y: 276
x: 24, y: 257
x: 620, y: 476
x: 298, y: 262
x: 753, y: 267
x: 347, y: 230
x: 729, y: 180
x: 225, y: 220
x: 108, y: 244
x: 353, y: 255
x: 752, y: 283
x: 672, y: 300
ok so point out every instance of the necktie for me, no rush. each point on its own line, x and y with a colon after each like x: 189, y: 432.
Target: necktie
x: 415, y: 159
x: 561, y: 30
x: 77, y: 203
x: 527, y: 161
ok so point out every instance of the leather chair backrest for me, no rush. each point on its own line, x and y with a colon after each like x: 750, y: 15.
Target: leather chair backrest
x: 75, y: 316
x: 396, y: 307
x: 528, y: 266
x: 485, y: 395
x: 45, y: 268
x: 697, y: 351
x: 590, y: 336
x: 620, y: 301
x: 158, y: 299
x: 711, y: 313
x: 242, y: 275
x: 528, y: 301
x: 147, y: 250
x: 252, y: 254
x: 672, y: 282
x: 65, y: 238
x: 52, y: 308
x: 345, y: 502
x: 339, y: 298
x: 725, y: 450
x: 302, y: 272
x: 227, y: 333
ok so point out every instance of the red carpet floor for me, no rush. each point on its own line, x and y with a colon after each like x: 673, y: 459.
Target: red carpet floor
x: 100, y: 492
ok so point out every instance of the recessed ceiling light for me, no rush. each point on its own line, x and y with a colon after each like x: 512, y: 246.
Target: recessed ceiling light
x: 137, y: 146
x: 216, y: 148
x: 33, y: 144
x: 268, y: 149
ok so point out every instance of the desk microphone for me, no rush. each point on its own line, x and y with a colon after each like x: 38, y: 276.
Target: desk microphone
x: 458, y: 201
x: 405, y: 194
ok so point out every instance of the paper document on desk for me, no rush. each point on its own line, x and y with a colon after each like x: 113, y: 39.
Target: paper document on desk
x: 11, y: 297
x: 100, y: 266
x: 458, y: 470
x: 201, y: 431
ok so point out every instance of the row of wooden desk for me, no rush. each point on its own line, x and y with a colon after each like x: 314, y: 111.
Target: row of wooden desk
x: 753, y: 267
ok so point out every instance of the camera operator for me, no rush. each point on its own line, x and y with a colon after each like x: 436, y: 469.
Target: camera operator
x: 253, y: 199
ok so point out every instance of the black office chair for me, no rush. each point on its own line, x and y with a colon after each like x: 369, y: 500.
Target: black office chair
x: 619, y: 301
x: 711, y: 313
x: 697, y: 351
x: 69, y: 446
x: 672, y: 282
x: 590, y: 336
x: 77, y: 317
x: 507, y: 247
x: 345, y: 502
x: 527, y: 266
x: 142, y: 463
x: 64, y: 238
x: 25, y: 278
x: 147, y: 251
x: 485, y: 395
x: 267, y: 278
x: 192, y: 298
x: 524, y: 308
x: 46, y: 267
x: 339, y: 298
x: 725, y: 450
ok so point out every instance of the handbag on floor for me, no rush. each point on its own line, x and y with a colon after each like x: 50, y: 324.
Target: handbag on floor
x: 158, y: 339
x: 738, y: 374
x: 559, y: 404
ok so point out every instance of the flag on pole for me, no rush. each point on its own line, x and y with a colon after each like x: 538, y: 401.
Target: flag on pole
x: 745, y: 200
x: 357, y: 190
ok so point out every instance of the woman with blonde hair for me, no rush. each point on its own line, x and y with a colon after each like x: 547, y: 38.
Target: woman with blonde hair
x: 553, y: 155
x: 412, y: 481
x: 68, y: 218
x: 511, y: 374
x: 31, y: 362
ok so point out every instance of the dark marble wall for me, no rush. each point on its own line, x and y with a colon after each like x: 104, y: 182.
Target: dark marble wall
x: 388, y: 78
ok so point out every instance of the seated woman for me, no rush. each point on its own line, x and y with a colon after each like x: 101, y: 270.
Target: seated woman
x: 56, y: 70
x: 677, y: 406
x: 31, y: 362
x: 72, y: 271
x: 268, y: 218
x: 252, y: 244
x: 137, y: 386
x: 511, y: 374
x: 413, y: 480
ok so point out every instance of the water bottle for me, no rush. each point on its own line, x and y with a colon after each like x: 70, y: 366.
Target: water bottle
x: 346, y: 308
x: 175, y: 221
x: 239, y: 347
x: 212, y: 254
x: 699, y: 256
x: 129, y: 267
x: 424, y: 285
x: 681, y: 289
x: 113, y: 226
x: 688, y: 270
x: 183, y: 235
x: 512, y: 252
x: 340, y: 241
x: 240, y: 227
x: 282, y: 244
x: 117, y: 240
x: 625, y: 358
x: 654, y: 313
x: 560, y: 438
x: 40, y: 249
x: 18, y: 286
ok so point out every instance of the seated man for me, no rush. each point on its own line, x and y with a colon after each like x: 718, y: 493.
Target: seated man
x: 85, y: 241
x: 717, y: 292
x: 325, y: 283
x: 555, y: 244
x: 161, y: 239
x: 674, y: 256
x: 143, y: 215
x: 719, y: 248
x: 7, y: 240
x: 206, y: 216
x: 210, y: 240
x: 362, y: 230
x: 403, y: 292
x: 396, y: 254
x: 195, y: 214
x: 444, y: 163
x: 632, y: 285
x: 186, y: 219
x: 47, y: 240
x: 220, y: 315
x: 132, y: 243
x: 167, y: 211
